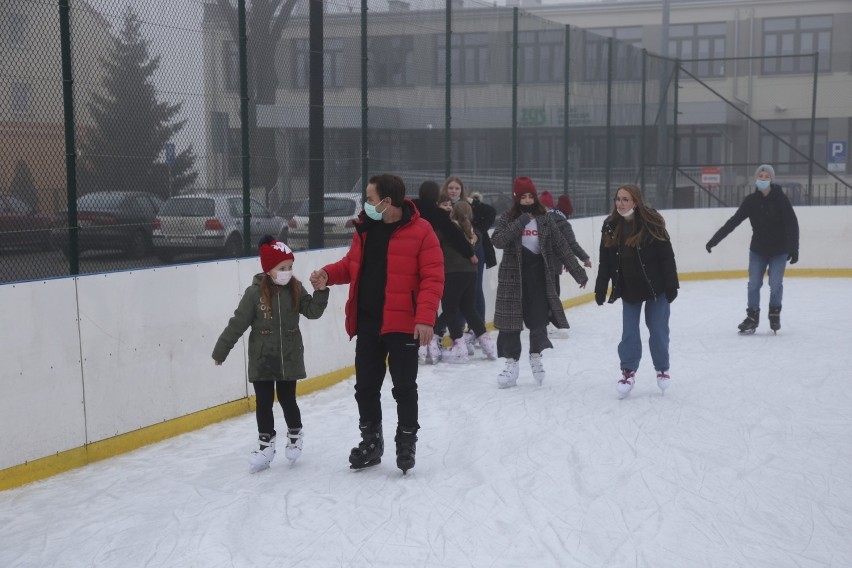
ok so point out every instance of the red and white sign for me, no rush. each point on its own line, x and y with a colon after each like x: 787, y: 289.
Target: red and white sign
x: 711, y: 176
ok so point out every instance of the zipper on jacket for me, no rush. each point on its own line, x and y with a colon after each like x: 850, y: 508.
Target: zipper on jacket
x: 280, y: 334
x: 645, y: 274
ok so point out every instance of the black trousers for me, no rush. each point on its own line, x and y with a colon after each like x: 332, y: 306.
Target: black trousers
x: 459, y: 299
x: 536, y: 310
x: 265, y: 393
x: 374, y: 355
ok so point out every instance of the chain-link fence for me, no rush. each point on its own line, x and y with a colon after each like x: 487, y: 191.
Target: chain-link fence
x: 142, y: 132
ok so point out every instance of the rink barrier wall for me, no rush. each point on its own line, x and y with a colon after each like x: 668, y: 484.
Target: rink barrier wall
x: 99, y: 365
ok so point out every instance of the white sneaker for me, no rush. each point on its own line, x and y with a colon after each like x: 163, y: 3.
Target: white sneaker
x: 625, y: 383
x: 488, y: 346
x: 509, y: 376
x: 537, y: 367
x: 469, y: 341
x: 262, y: 457
x: 457, y: 353
x: 663, y: 380
x: 433, y: 351
x: 294, y: 445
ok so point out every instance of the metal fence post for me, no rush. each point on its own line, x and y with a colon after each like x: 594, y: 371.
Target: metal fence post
x: 316, y: 129
x: 244, y: 125
x: 514, y: 93
x: 565, y: 114
x: 608, y: 173
x: 448, y: 101
x: 675, y: 144
x: 813, y: 129
x: 70, y: 144
x: 642, y: 156
x: 365, y: 109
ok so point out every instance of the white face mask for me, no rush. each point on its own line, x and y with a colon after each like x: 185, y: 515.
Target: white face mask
x: 282, y: 277
x: 627, y: 213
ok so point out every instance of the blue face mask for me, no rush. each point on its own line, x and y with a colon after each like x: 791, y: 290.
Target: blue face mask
x: 762, y: 183
x: 372, y: 213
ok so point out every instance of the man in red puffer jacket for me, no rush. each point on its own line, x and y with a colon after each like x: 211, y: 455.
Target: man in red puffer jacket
x: 395, y: 271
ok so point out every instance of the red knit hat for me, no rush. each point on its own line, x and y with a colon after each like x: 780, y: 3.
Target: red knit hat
x: 564, y: 204
x: 273, y: 253
x: 521, y: 186
x: 546, y: 199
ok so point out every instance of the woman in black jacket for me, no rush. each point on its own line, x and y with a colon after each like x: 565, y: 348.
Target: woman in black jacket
x: 636, y: 256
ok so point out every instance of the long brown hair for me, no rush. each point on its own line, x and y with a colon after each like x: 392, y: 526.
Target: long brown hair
x: 448, y: 181
x: 462, y: 214
x: 538, y: 208
x: 648, y: 221
x: 266, y: 291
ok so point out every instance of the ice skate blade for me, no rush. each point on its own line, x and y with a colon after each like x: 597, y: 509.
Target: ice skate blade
x: 746, y: 332
x: 371, y: 463
x: 258, y: 468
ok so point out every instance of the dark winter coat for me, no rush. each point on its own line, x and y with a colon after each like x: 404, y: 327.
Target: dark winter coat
x: 655, y: 259
x: 447, y: 231
x: 483, y: 218
x: 556, y: 252
x: 275, y: 349
x: 415, y: 279
x: 567, y: 231
x: 775, y: 228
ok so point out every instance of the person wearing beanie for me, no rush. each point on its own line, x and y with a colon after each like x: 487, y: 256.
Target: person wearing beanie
x: 533, y: 248
x: 271, y: 306
x: 774, y: 241
x: 637, y: 258
x: 567, y: 231
x: 395, y: 271
x: 564, y: 204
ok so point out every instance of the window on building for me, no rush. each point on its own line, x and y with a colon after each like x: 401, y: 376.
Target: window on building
x: 20, y: 94
x: 231, y: 64
x: 471, y: 150
x: 796, y: 133
x: 469, y: 59
x: 391, y: 61
x: 796, y: 36
x: 17, y: 29
x: 699, y: 41
x: 699, y: 146
x: 541, y: 56
x: 333, y: 63
x: 235, y: 162
x: 628, y: 53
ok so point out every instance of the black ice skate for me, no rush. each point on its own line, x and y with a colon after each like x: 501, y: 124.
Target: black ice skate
x: 749, y: 325
x: 406, y: 441
x: 775, y: 318
x: 370, y: 449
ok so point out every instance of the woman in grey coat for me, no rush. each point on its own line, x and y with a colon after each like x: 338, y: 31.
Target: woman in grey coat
x: 532, y: 246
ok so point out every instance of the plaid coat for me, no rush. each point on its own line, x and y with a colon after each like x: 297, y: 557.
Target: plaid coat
x: 556, y: 252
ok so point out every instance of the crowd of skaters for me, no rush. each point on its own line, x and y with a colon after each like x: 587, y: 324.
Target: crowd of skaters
x: 415, y: 271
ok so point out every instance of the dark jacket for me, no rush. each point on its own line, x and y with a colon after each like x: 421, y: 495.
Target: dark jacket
x: 447, y: 231
x: 655, y: 259
x: 415, y: 279
x: 775, y: 228
x: 564, y: 226
x: 483, y: 218
x: 275, y: 348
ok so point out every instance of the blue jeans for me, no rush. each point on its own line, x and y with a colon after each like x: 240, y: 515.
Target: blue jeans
x: 657, y: 319
x: 757, y: 265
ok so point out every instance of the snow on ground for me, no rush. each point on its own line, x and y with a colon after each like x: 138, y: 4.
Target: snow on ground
x: 746, y: 461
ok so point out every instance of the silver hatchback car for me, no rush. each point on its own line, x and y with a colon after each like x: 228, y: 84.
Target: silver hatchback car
x: 204, y: 224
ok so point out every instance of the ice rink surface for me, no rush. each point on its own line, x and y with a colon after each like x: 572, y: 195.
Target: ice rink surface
x: 746, y: 461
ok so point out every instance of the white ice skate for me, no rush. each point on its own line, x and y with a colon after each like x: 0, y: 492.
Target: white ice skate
x: 261, y: 458
x: 625, y: 383
x: 422, y: 354
x: 433, y: 351
x: 457, y: 353
x: 509, y: 376
x: 663, y: 380
x: 488, y: 346
x: 293, y: 450
x: 537, y: 367
x: 470, y: 342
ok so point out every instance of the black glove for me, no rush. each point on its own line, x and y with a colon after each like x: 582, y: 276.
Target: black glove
x: 709, y: 247
x: 793, y: 257
x: 524, y: 218
x: 599, y: 298
x: 671, y: 294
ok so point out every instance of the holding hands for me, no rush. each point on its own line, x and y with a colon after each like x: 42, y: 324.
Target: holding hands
x: 319, y: 279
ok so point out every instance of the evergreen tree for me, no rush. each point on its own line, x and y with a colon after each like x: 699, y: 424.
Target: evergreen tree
x: 22, y: 185
x: 123, y: 150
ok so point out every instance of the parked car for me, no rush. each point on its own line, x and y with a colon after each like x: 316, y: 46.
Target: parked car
x: 112, y: 220
x: 22, y: 227
x: 205, y: 223
x: 341, y: 211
